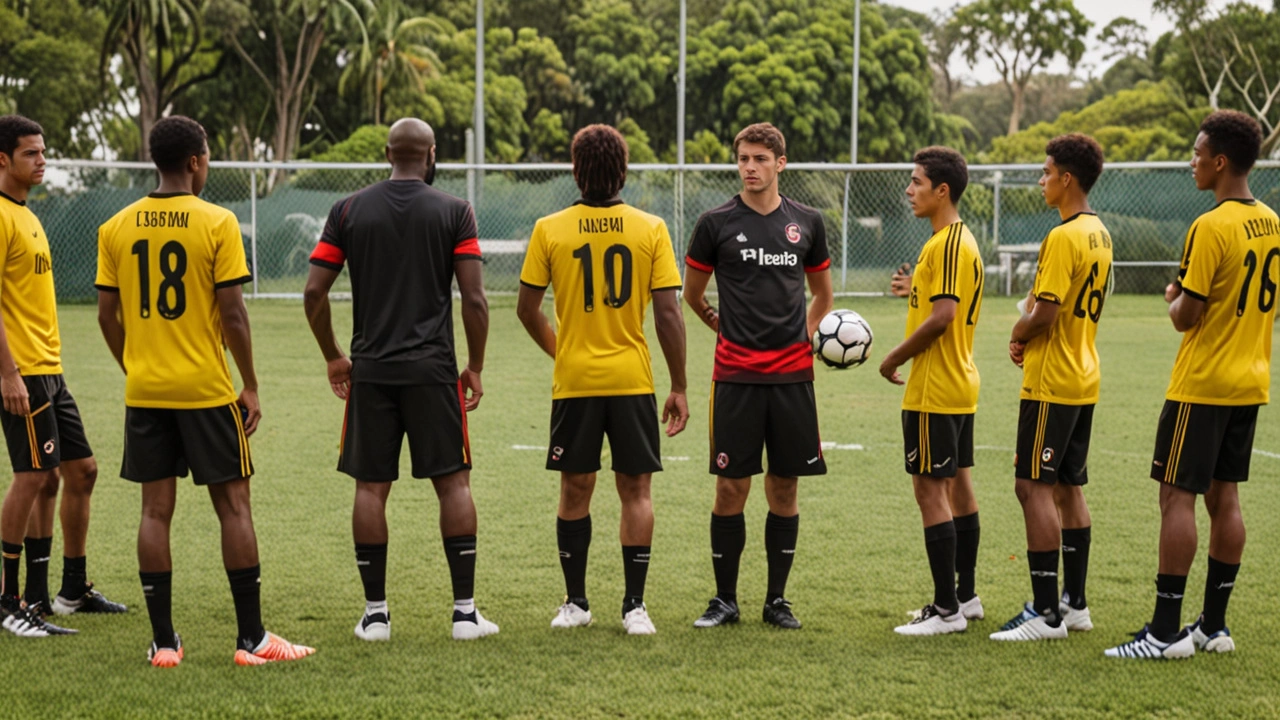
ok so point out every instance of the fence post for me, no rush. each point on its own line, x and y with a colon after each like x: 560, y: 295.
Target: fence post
x: 253, y: 225
x: 471, y: 171
x: 679, y: 217
x: 844, y: 235
x: 995, y: 226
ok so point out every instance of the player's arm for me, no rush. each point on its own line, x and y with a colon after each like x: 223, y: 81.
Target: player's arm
x: 668, y: 321
x: 529, y: 310
x: 475, y: 322
x: 235, y: 331
x: 12, y: 387
x: 1185, y: 310
x: 111, y: 324
x: 315, y: 300
x: 941, y: 315
x: 695, y: 289
x: 823, y: 298
x: 1031, y: 325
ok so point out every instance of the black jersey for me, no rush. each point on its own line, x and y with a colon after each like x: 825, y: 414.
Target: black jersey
x: 760, y: 263
x: 400, y: 239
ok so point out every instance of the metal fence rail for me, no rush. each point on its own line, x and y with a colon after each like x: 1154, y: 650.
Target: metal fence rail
x: 870, y: 230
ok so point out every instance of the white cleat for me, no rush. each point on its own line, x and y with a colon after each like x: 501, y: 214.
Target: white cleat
x: 570, y: 616
x: 26, y: 625
x: 1030, y: 625
x: 637, y: 622
x: 971, y: 609
x: 1219, y: 642
x: 1075, y: 620
x: 374, y: 627
x: 1145, y: 647
x: 931, y: 622
x: 471, y: 626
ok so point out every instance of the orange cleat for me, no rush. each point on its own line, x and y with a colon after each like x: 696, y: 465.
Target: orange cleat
x: 163, y: 657
x: 273, y: 648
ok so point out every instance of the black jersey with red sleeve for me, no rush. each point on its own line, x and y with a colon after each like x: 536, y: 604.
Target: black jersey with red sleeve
x: 760, y: 263
x: 400, y: 240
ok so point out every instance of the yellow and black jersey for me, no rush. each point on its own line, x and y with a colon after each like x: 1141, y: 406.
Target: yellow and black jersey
x: 943, y: 378
x: 1074, y: 269
x: 27, y: 296
x: 604, y: 261
x: 167, y: 255
x: 1231, y: 261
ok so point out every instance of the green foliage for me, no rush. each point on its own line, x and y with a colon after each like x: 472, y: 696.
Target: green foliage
x: 637, y: 141
x: 705, y: 147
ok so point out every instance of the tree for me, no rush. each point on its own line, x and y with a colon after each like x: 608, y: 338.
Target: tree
x: 1021, y: 37
x: 399, y: 48
x: 1123, y: 36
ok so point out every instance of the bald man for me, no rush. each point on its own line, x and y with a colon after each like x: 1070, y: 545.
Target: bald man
x: 403, y: 243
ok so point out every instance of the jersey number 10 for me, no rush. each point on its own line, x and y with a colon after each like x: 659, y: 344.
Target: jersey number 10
x: 617, y: 291
x: 173, y: 265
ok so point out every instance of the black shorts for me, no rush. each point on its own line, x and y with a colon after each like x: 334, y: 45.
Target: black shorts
x: 1053, y: 443
x: 378, y: 417
x: 578, y: 427
x: 747, y: 418
x: 162, y: 443
x: 1220, y: 445
x: 937, y: 444
x: 53, y: 432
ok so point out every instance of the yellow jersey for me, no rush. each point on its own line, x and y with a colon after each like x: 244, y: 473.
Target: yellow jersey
x: 1074, y: 269
x: 943, y: 378
x: 167, y: 255
x: 27, y: 298
x: 604, y: 261
x: 1231, y: 261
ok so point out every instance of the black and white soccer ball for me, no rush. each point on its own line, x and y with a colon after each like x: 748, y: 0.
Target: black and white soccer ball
x: 843, y: 339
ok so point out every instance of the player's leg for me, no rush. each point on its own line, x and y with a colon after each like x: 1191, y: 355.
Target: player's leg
x: 631, y: 422
x: 781, y: 530
x: 964, y: 513
x: 16, y: 516
x: 1076, y: 522
x: 458, y: 528
x: 369, y: 531
x: 38, y: 544
x: 155, y: 568
x: 577, y: 435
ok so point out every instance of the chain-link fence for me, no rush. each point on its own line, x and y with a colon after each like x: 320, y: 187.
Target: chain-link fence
x: 870, y: 229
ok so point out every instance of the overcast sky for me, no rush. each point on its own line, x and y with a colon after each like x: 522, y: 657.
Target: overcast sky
x: 1100, y: 12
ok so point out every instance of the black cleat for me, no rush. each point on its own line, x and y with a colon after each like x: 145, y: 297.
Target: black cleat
x: 28, y: 621
x: 778, y: 614
x: 718, y: 612
x: 91, y: 602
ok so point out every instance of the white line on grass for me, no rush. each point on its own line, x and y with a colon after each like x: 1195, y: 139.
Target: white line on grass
x: 841, y: 446
x: 539, y: 448
x: 1264, y: 453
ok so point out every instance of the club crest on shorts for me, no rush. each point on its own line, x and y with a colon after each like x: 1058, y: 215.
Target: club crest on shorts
x: 1047, y: 455
x: 556, y: 452
x: 48, y: 447
x: 722, y: 460
x: 793, y: 233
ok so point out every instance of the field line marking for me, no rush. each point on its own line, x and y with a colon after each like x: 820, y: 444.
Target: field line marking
x: 1264, y: 453
x: 529, y: 447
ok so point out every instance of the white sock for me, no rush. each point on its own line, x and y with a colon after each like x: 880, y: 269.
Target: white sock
x: 371, y: 608
x: 465, y: 607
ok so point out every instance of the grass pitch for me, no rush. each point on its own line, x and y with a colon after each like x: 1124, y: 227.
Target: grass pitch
x: 861, y: 563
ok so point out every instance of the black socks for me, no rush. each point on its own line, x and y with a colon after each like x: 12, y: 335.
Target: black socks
x: 940, y: 544
x: 460, y: 551
x: 371, y: 561
x: 780, y: 546
x: 157, y: 587
x: 968, y: 533
x: 246, y: 594
x: 728, y: 538
x: 1075, y: 565
x: 574, y: 540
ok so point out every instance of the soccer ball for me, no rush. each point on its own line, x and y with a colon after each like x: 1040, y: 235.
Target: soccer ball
x: 843, y: 339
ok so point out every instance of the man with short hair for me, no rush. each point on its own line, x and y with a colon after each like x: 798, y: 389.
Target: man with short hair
x: 170, y: 271
x: 404, y: 242
x: 1224, y: 304
x: 1054, y: 344
x: 41, y: 422
x: 942, y: 390
x: 763, y: 248
x: 607, y: 260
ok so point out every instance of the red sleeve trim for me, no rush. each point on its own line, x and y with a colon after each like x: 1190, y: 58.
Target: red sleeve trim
x: 825, y: 264
x: 470, y: 246
x: 699, y: 266
x: 328, y: 253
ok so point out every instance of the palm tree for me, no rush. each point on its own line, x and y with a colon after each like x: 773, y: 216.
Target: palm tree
x: 398, y: 46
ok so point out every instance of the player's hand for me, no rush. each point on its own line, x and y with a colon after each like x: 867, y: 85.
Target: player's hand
x: 340, y: 377
x: 712, y: 318
x: 675, y: 413
x: 889, y: 370
x: 1016, y: 349
x: 471, y: 386
x: 14, y: 391
x: 253, y: 410
x: 900, y: 282
x: 1172, y: 292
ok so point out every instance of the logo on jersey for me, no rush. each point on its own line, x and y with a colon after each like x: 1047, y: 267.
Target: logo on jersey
x: 760, y: 257
x: 722, y: 461
x: 43, y: 265
x: 48, y: 447
x: 1047, y: 455
x: 741, y: 237
x: 556, y: 452
x: 793, y: 233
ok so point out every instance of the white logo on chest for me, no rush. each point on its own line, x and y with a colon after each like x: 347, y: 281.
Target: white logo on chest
x: 760, y: 257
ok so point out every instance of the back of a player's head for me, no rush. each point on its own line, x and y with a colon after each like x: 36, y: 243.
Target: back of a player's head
x: 599, y: 155
x: 762, y: 134
x: 1079, y: 155
x: 13, y: 128
x: 175, y: 140
x: 944, y: 165
x: 1235, y: 135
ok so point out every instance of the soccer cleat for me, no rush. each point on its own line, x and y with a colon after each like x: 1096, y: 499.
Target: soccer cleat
x: 273, y: 648
x: 637, y: 622
x: 374, y: 626
x: 1219, y: 642
x: 932, y: 622
x: 1030, y: 625
x: 1145, y: 647
x: 165, y: 657
x: 778, y: 614
x: 28, y: 621
x: 570, y: 615
x: 1075, y: 620
x: 718, y: 612
x: 971, y: 609
x: 472, y: 626
x: 91, y: 602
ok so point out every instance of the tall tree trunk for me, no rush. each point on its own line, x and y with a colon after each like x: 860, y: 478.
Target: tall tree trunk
x: 1019, y: 91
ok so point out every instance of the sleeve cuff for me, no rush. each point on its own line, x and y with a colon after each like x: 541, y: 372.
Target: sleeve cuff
x: 944, y: 296
x: 701, y: 266
x: 819, y: 268
x: 531, y: 286
x: 1194, y: 294
x: 1049, y: 297
x: 666, y: 287
x: 106, y: 288
x: 232, y: 282
x: 336, y: 267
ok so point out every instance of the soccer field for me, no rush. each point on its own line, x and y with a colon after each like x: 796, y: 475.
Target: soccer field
x: 861, y: 563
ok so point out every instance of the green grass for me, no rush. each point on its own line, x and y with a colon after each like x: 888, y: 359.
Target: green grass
x: 860, y: 564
